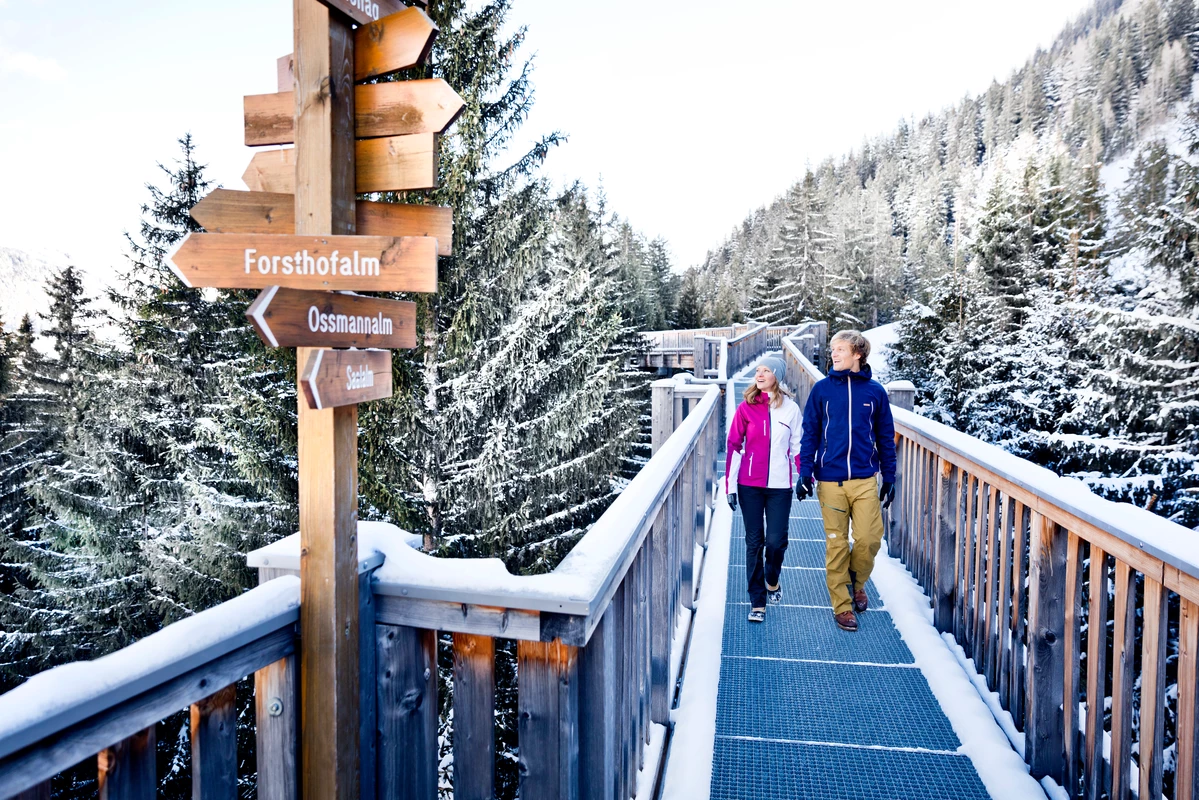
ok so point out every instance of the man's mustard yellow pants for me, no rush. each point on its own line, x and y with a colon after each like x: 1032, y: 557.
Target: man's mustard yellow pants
x: 843, y: 502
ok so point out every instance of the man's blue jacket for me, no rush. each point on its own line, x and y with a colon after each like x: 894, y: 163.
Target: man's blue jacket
x: 848, y: 432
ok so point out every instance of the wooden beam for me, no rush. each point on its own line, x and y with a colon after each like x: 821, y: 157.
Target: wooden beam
x: 39, y: 792
x: 398, y: 41
x: 1096, y: 676
x: 1044, y: 749
x: 126, y: 770
x: 1123, y: 679
x: 548, y: 720
x: 277, y: 729
x: 407, y: 712
x: 474, y: 717
x: 323, y: 182
x: 272, y: 171
x: 380, y: 109
x: 1153, y: 688
x: 367, y: 682
x: 214, y: 745
x: 286, y: 74
x: 458, y: 617
x: 1188, y: 703
x: 230, y: 211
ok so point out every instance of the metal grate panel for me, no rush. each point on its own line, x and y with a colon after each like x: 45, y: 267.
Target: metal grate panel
x: 801, y: 587
x: 810, y: 633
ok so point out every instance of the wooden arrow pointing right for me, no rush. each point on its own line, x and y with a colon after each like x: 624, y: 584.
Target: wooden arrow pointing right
x: 380, y: 109
x: 386, y: 164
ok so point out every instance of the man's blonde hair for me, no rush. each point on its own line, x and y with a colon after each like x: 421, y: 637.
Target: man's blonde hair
x: 857, y: 342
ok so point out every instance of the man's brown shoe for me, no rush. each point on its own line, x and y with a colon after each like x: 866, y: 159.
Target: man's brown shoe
x: 859, y: 600
x: 846, y: 621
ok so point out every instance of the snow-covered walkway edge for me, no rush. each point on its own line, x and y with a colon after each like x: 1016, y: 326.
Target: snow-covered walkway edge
x: 1001, y: 769
x: 689, y: 769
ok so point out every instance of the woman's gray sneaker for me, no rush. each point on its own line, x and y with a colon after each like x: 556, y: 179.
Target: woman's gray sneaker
x: 757, y: 615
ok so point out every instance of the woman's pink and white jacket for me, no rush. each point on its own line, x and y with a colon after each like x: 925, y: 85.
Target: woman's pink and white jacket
x: 763, y: 443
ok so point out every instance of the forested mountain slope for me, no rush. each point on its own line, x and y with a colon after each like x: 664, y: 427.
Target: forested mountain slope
x: 1037, y: 245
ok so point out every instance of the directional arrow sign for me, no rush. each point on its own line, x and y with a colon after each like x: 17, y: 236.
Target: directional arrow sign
x: 298, y: 318
x: 333, y: 378
x: 356, y: 263
x: 229, y: 211
x: 380, y: 109
x: 365, y: 11
x: 272, y: 171
x: 399, y: 41
x: 388, y: 164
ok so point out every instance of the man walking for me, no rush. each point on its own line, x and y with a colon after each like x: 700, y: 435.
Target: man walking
x: 848, y: 438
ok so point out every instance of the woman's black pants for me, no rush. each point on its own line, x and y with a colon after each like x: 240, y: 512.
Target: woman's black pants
x: 773, y: 505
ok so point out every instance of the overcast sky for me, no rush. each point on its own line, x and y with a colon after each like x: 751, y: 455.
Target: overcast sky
x: 689, y: 113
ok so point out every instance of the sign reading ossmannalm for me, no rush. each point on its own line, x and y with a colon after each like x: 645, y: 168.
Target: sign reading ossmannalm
x: 333, y: 378
x: 297, y: 318
x: 355, y: 263
x: 365, y: 11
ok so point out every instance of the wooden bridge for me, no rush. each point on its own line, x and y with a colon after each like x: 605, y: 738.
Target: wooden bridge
x: 638, y: 676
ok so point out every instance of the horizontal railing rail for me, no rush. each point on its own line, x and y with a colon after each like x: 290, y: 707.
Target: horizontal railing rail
x: 1029, y: 571
x: 110, y: 706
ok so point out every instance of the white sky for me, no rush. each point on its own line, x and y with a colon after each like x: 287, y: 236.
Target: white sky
x: 691, y: 113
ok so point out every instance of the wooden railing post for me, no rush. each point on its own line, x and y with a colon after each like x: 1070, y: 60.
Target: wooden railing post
x: 474, y: 717
x: 548, y: 720
x: 598, y: 735
x: 662, y: 412
x: 367, y: 680
x: 661, y: 615
x: 1043, y: 733
x: 945, y: 571
x: 406, y: 711
x: 1185, y: 778
x: 39, y: 792
x: 214, y: 745
x: 277, y: 729
x: 1153, y: 688
x: 686, y: 525
x: 126, y: 771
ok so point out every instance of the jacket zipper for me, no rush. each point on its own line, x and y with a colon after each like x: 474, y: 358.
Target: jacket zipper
x: 766, y: 426
x: 825, y: 439
x: 849, y: 451
x: 751, y: 465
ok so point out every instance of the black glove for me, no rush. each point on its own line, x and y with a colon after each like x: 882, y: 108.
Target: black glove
x: 886, y: 493
x: 732, y: 498
x: 805, y: 488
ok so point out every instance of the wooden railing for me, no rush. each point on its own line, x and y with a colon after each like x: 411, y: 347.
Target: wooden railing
x: 1019, y: 562
x: 109, y: 706
x: 599, y: 654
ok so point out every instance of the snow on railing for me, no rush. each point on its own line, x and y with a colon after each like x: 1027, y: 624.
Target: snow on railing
x: 63, y: 715
x: 1019, y: 563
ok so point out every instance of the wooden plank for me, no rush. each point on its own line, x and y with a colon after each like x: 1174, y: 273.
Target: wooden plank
x: 50, y: 756
x: 1003, y: 627
x: 662, y: 413
x: 277, y: 729
x: 686, y: 483
x: 214, y: 745
x: 1153, y: 688
x: 39, y: 792
x: 229, y: 211
x: 335, y: 378
x: 967, y: 525
x: 946, y: 553
x: 397, y: 41
x: 548, y: 726
x: 458, y: 617
x: 1072, y: 614
x: 367, y: 680
x: 1123, y: 679
x: 980, y: 580
x: 1187, y: 748
x: 407, y: 712
x: 297, y: 318
x: 474, y: 717
x: 397, y: 108
x: 659, y: 613
x: 272, y: 171
x: 1096, y: 675
x: 126, y: 770
x: 355, y: 263
x: 1016, y: 701
x: 365, y: 12
x: 991, y: 601
x: 1044, y: 749
x: 397, y: 163
x: 285, y: 73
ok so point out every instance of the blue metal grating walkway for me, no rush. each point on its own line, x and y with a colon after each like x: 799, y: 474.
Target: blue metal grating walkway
x: 805, y: 710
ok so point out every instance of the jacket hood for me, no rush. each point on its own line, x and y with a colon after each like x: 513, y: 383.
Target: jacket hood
x: 842, y: 374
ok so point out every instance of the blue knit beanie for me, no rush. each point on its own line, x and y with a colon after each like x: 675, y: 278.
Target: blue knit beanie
x: 775, y: 365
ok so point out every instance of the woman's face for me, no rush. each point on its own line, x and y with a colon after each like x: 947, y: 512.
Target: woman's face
x: 765, y: 380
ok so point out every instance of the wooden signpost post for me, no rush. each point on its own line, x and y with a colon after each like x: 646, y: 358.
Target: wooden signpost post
x: 299, y: 234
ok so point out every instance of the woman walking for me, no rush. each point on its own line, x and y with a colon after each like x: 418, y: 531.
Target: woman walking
x: 763, y: 441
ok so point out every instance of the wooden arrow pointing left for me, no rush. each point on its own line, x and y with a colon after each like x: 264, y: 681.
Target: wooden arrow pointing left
x: 380, y: 109
x: 334, y: 378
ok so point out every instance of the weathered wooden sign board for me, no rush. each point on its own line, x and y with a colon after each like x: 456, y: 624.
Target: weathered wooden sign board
x: 365, y: 11
x: 387, y: 164
x: 231, y: 211
x: 356, y: 263
x: 298, y: 318
x: 334, y: 378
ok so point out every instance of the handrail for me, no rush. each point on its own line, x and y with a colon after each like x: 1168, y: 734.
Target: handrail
x: 62, y: 715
